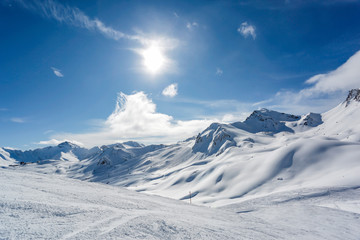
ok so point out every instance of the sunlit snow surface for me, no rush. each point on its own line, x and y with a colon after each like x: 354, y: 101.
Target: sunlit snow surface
x: 273, y: 176
x: 41, y: 206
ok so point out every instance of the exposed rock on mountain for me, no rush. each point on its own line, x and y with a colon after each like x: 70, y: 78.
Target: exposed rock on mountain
x: 311, y: 120
x: 354, y: 95
x: 265, y: 120
x: 214, y: 139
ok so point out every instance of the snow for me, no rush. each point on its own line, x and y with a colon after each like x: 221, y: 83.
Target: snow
x: 41, y: 206
x: 5, y: 158
x: 215, y: 139
x: 254, y: 172
x: 265, y: 120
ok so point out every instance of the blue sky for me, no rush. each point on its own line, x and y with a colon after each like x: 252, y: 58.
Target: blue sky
x: 97, y: 72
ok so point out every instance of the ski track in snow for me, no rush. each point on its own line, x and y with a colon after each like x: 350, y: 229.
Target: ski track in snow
x: 38, y: 206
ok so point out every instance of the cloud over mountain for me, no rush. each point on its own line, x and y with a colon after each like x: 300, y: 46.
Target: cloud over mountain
x: 135, y: 118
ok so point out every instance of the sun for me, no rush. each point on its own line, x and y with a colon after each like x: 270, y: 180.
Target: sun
x: 154, y: 59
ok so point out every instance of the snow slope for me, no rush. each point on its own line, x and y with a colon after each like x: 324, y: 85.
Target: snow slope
x: 5, y: 158
x: 270, y: 152
x: 41, y: 206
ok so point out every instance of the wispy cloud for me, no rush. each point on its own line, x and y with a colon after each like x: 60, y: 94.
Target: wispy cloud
x: 48, y: 131
x: 171, y: 90
x: 72, y: 16
x: 57, y: 72
x: 3, y: 109
x: 227, y: 105
x: 191, y: 25
x: 247, y: 30
x: 17, y: 120
x: 219, y: 71
x: 262, y: 102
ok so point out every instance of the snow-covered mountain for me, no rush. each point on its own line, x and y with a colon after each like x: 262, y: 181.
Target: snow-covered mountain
x: 226, y: 163
x: 63, y: 151
x: 265, y: 120
x: 255, y: 172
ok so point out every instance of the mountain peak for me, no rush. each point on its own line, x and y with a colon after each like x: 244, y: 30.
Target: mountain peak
x: 133, y: 144
x: 354, y: 95
x: 266, y: 114
x: 311, y: 120
x: 214, y: 139
x: 67, y: 144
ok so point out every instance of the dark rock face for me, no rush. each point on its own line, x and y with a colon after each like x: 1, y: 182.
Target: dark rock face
x: 311, y: 120
x: 354, y: 95
x: 265, y: 114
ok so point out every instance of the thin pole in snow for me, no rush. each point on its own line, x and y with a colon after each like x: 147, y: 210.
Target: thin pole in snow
x: 190, y: 196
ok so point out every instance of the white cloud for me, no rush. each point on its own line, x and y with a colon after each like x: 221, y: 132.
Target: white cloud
x: 3, y: 109
x: 247, y: 30
x: 17, y: 120
x: 325, y: 90
x: 171, y: 90
x: 219, y: 71
x: 50, y: 142
x: 57, y: 142
x: 135, y: 118
x: 191, y: 25
x: 234, y: 117
x: 344, y: 78
x: 57, y: 72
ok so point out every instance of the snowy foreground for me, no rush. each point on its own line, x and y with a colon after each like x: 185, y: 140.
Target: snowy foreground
x: 40, y: 206
x: 272, y: 176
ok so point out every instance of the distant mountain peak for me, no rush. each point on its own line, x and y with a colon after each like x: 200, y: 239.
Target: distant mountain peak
x: 67, y: 144
x: 266, y: 114
x: 311, y: 120
x: 354, y: 95
x: 214, y: 139
x: 133, y: 144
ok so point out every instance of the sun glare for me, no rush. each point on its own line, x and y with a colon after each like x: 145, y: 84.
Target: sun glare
x: 154, y: 60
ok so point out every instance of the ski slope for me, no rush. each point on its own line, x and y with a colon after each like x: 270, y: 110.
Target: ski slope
x: 43, y: 206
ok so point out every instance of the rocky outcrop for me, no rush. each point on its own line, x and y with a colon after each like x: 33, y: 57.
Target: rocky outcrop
x: 214, y: 140
x: 354, y: 95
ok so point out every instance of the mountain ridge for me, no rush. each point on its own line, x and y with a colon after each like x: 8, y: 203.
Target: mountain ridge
x: 223, y: 164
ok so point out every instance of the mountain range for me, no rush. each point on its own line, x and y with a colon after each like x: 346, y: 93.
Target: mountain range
x: 269, y: 152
